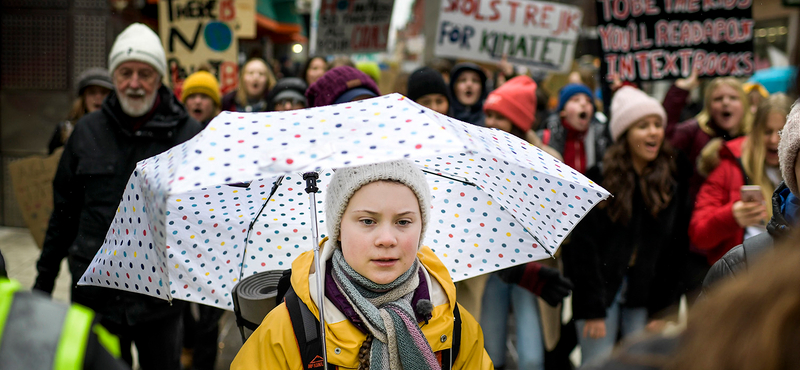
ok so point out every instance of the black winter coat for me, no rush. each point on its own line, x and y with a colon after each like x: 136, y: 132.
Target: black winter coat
x: 97, y: 162
x: 599, y: 252
x: 737, y: 259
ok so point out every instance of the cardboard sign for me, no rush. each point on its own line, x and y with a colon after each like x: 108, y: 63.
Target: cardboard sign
x: 204, y: 32
x: 644, y: 40
x: 32, y: 181
x: 533, y: 33
x: 352, y: 26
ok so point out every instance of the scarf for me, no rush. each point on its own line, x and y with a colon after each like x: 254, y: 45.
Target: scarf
x: 575, y: 148
x: 385, y: 309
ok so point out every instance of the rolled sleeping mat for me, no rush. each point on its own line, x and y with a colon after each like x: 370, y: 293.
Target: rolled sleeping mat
x: 253, y: 298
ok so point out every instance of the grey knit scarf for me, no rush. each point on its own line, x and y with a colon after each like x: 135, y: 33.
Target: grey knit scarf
x: 387, y: 313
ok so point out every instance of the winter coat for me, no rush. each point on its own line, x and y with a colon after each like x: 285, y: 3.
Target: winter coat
x: 713, y: 228
x: 691, y: 136
x: 274, y: 346
x: 739, y: 258
x: 92, y: 174
x: 598, y: 256
x: 229, y: 103
x: 597, y: 136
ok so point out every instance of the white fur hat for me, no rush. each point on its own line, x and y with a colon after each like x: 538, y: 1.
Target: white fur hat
x: 788, y: 148
x: 139, y: 43
x: 346, y: 181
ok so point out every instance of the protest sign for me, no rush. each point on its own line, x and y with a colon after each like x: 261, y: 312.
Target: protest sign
x: 204, y: 32
x: 534, y: 33
x: 32, y: 181
x: 646, y: 40
x: 352, y: 26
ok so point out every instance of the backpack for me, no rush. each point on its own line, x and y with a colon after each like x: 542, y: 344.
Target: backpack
x: 306, y: 329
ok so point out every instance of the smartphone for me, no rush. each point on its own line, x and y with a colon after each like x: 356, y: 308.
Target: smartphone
x: 752, y: 193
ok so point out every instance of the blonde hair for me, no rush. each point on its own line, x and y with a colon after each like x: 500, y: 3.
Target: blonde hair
x: 704, y: 117
x: 753, y: 151
x: 241, y: 95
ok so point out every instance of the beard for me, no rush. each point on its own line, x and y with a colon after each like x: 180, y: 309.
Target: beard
x: 135, y: 102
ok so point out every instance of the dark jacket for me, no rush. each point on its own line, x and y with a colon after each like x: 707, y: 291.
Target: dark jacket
x: 91, y: 177
x: 598, y: 256
x: 738, y: 258
x: 691, y: 136
x: 230, y: 104
x: 556, y: 137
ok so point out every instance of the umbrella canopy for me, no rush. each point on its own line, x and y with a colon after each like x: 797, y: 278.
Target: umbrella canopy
x: 181, y: 232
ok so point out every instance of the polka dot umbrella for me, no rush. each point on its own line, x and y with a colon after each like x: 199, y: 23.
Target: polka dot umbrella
x: 231, y: 202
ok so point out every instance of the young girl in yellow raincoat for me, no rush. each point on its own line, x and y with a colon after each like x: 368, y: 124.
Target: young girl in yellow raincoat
x: 389, y: 300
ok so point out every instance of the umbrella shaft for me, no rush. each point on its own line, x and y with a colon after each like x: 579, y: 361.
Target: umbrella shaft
x: 320, y: 280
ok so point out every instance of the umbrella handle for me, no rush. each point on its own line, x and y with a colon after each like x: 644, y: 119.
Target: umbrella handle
x: 312, y: 189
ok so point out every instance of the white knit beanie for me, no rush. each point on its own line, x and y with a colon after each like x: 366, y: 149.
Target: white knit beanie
x: 346, y: 181
x: 629, y: 105
x: 138, y: 42
x: 788, y: 148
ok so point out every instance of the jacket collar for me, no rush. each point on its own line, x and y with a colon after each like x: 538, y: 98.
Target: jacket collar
x: 778, y: 226
x: 168, y: 115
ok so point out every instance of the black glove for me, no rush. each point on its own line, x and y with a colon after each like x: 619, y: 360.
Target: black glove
x: 545, y: 282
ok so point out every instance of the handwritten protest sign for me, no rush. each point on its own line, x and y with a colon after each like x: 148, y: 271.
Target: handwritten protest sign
x: 664, y: 39
x: 352, y: 26
x: 534, y: 33
x: 204, y: 32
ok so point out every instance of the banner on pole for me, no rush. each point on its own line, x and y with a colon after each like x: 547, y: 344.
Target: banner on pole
x: 646, y: 40
x: 352, y: 26
x: 204, y: 32
x: 533, y: 33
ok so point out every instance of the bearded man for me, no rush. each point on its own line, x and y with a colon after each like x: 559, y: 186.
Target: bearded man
x: 139, y: 119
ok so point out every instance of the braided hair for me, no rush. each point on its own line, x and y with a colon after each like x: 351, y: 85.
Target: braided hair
x: 364, y: 353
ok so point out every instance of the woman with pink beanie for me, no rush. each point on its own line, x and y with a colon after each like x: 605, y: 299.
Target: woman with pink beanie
x: 620, y: 257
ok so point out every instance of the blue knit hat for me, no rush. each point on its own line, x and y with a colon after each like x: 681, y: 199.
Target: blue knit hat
x: 568, y: 91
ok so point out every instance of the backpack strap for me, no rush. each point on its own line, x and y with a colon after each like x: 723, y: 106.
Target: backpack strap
x: 745, y: 178
x: 306, y: 331
x: 449, y: 355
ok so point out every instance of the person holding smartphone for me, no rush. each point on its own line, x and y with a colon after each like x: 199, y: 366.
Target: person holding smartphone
x: 731, y: 203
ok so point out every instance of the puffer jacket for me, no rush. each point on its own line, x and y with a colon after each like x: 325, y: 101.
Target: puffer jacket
x: 274, y: 346
x: 94, y: 169
x: 713, y: 228
x: 739, y: 257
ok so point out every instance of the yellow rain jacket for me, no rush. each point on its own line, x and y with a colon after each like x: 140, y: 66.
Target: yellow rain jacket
x: 273, y: 344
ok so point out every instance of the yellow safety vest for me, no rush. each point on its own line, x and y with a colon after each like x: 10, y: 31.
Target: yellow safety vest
x: 37, y: 333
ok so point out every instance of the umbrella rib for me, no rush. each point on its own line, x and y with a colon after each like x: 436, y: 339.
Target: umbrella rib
x: 252, y: 223
x: 448, y: 177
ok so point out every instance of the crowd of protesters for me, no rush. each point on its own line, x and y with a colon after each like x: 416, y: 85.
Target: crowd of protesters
x: 678, y: 216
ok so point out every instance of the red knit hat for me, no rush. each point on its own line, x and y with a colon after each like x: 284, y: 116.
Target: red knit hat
x: 516, y: 100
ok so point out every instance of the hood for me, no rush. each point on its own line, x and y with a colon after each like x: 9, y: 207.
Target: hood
x: 472, y: 114
x: 346, y: 336
x: 718, y: 150
x: 778, y: 226
x: 168, y: 115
